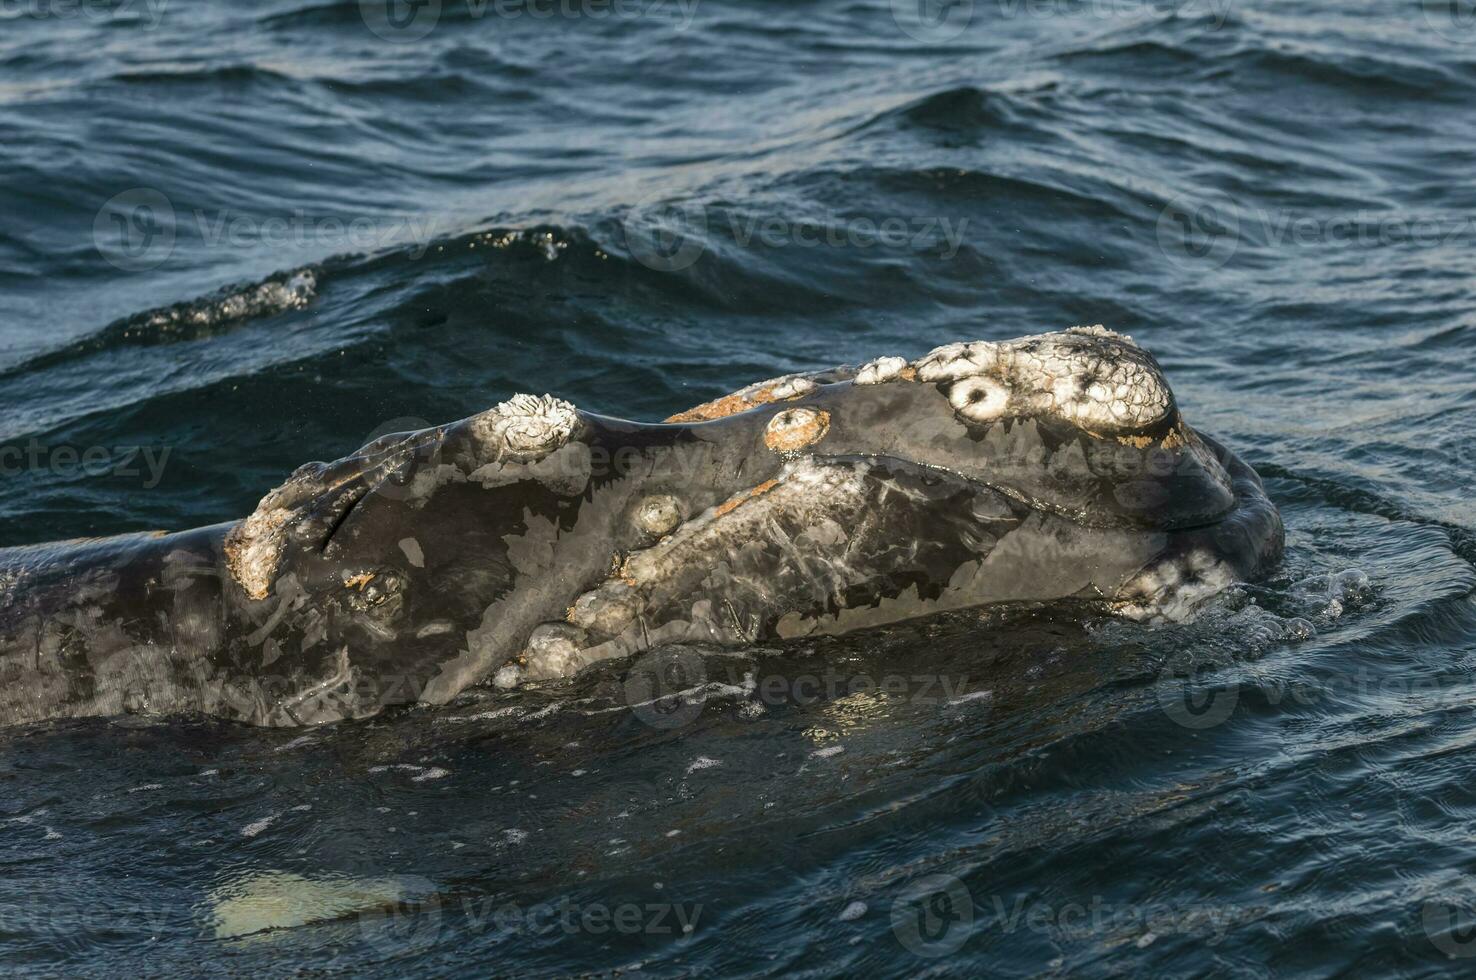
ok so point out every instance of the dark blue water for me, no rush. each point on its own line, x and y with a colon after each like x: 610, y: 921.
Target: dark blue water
x: 237, y: 237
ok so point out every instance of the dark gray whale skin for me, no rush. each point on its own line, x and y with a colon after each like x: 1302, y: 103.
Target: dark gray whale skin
x: 530, y: 540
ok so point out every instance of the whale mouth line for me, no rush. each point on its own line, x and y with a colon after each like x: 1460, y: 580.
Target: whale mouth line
x: 1034, y: 503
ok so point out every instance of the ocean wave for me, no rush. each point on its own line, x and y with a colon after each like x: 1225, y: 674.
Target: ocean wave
x: 957, y: 112
x: 236, y: 75
x: 1176, y: 47
x: 191, y: 320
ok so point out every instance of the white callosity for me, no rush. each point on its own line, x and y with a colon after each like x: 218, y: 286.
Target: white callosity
x: 796, y: 428
x: 953, y: 361
x: 553, y: 650
x: 1089, y: 376
x: 254, y: 547
x: 979, y: 399
x: 1097, y: 330
x: 658, y: 514
x: 793, y: 386
x: 526, y: 426
x: 777, y: 389
x: 1171, y: 589
x: 881, y: 369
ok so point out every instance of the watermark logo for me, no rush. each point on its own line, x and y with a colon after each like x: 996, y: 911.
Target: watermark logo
x: 1454, y: 20
x: 1197, y: 701
x: 670, y: 686
x: 933, y: 21
x: 400, y: 21
x: 1451, y: 925
x: 398, y: 482
x: 934, y: 916
x: 70, y: 462
x: 298, y: 229
x: 152, y: 11
x: 1097, y: 916
x: 664, y: 687
x: 666, y: 236
x: 406, y: 21
x: 1198, y: 234
x: 677, y: 920
x: 1206, y: 234
x: 134, y: 231
x: 410, y: 920
x: 940, y: 21
x: 138, y: 229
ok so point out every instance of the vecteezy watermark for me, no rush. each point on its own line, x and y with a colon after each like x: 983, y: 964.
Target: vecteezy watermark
x: 134, y: 231
x: 565, y: 916
x: 668, y: 687
x: 669, y: 236
x: 1450, y: 923
x: 237, y: 229
x: 1099, y: 917
x: 418, y: 916
x: 1204, y: 698
x: 1454, y: 20
x: 933, y: 916
x: 72, y: 919
x: 1205, y: 234
x: 937, y: 915
x: 409, y: 920
x: 90, y: 461
x: 1197, y: 699
x: 933, y: 21
x: 399, y: 482
x: 137, y: 230
x: 405, y: 21
x: 152, y: 11
x: 940, y: 21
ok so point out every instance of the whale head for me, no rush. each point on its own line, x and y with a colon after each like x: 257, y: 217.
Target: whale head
x: 534, y: 538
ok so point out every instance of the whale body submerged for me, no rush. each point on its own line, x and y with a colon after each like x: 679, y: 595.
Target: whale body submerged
x: 528, y: 541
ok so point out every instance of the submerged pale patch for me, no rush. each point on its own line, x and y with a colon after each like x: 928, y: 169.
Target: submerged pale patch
x: 263, y: 902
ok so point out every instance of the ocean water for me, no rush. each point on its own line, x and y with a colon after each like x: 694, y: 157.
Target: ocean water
x: 237, y: 237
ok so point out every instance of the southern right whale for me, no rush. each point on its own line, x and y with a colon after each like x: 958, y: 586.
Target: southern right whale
x: 532, y: 539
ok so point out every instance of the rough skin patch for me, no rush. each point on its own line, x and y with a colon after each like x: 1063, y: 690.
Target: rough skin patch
x: 762, y: 393
x: 796, y: 428
x: 254, y: 547
x: 659, y: 514
x: 526, y: 427
x: 1171, y: 589
x: 552, y: 651
x: 881, y: 370
x: 610, y: 607
x: 734, y: 502
x: 1088, y: 376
